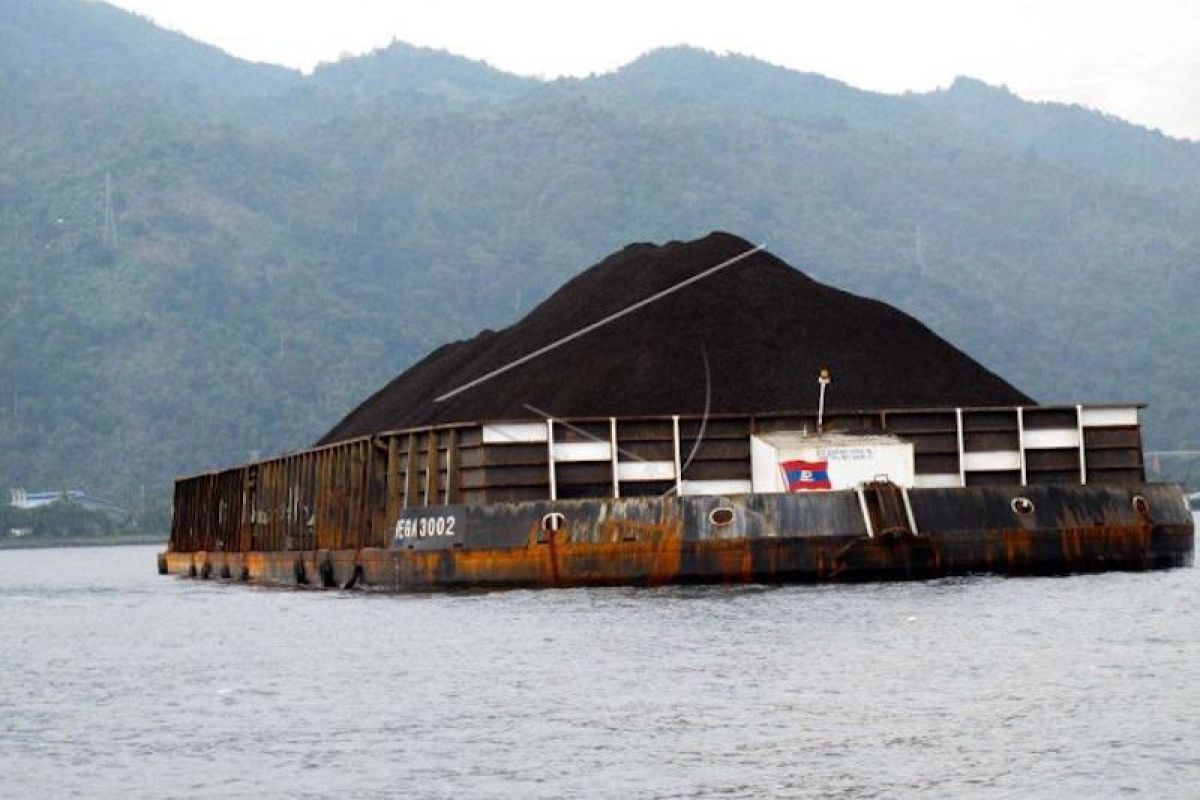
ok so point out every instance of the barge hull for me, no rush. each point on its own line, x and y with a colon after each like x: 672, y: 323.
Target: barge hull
x: 768, y: 539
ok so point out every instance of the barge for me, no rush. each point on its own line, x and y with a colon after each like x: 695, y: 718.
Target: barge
x: 456, y: 475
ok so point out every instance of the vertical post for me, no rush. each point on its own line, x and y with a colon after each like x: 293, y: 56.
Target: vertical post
x: 432, y: 468
x: 346, y: 495
x: 410, y: 472
x: 266, y: 475
x: 866, y: 513
x: 675, y: 442
x: 1021, y: 441
x: 962, y: 467
x: 243, y: 524
x: 1082, y: 449
x: 391, y: 481
x: 293, y: 504
x: 176, y: 542
x: 823, y: 380
x: 366, y: 461
x: 325, y: 520
x: 612, y: 448
x: 309, y: 503
x: 550, y: 459
x: 908, y: 512
x: 337, y: 502
x: 375, y: 498
x: 452, y: 467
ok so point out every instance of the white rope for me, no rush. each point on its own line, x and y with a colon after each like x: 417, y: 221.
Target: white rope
x: 582, y: 432
x: 525, y: 359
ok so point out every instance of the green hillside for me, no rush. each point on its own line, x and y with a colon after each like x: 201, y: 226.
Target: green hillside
x: 272, y: 247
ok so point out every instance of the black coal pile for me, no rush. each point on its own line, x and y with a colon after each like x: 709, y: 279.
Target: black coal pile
x: 764, y: 330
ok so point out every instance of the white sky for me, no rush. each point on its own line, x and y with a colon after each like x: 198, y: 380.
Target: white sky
x: 1137, y: 60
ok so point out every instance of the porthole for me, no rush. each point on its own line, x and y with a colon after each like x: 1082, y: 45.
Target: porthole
x: 1022, y: 505
x: 553, y: 521
x: 722, y: 515
x: 1141, y: 505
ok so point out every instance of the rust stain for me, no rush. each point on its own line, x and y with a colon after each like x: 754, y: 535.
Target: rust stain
x: 638, y: 541
x: 1018, y: 546
x: 656, y: 560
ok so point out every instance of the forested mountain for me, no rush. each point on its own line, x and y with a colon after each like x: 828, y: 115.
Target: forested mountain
x: 202, y: 259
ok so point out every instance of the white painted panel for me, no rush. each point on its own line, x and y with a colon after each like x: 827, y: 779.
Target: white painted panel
x: 514, y: 433
x: 846, y: 460
x: 764, y: 466
x: 992, y: 460
x: 646, y: 470
x: 1051, y: 438
x: 715, y: 487
x: 1109, y: 417
x: 948, y: 480
x: 582, y: 451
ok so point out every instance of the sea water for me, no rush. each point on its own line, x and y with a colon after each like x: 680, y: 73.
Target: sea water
x: 116, y: 682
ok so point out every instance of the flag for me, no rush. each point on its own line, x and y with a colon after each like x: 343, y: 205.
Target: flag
x: 805, y: 476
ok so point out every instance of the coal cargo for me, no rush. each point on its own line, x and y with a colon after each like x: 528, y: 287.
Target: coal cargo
x: 765, y: 327
x: 696, y: 412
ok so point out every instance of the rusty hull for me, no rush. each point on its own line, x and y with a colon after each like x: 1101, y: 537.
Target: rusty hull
x: 769, y: 538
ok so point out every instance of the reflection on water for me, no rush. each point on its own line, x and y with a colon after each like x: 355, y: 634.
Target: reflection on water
x: 120, y: 683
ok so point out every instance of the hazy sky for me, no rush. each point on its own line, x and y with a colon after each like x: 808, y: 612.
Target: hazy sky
x: 1137, y: 60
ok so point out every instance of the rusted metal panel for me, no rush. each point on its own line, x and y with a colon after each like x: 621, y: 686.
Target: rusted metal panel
x: 932, y: 444
x: 432, y: 469
x: 717, y: 470
x: 1125, y: 438
x: 643, y: 429
x: 504, y: 494
x: 1050, y: 417
x: 356, y: 466
x: 647, y: 449
x: 508, y: 476
x: 453, y: 473
x: 712, y: 449
x: 716, y: 428
x: 583, y: 431
x: 1053, y: 461
x: 809, y: 537
x: 657, y: 558
x: 991, y: 440
x: 324, y: 505
x: 903, y: 422
x: 1111, y: 452
x: 346, y: 498
x: 410, y: 471
x: 989, y: 420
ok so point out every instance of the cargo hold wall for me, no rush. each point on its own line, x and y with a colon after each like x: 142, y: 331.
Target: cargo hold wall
x: 348, y: 495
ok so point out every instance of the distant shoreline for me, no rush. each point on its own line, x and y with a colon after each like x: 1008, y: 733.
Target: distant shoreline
x: 118, y: 540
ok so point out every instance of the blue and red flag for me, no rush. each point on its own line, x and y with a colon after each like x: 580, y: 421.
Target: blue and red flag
x: 805, y: 476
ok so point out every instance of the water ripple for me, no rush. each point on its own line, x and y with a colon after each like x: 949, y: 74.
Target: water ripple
x: 120, y: 683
